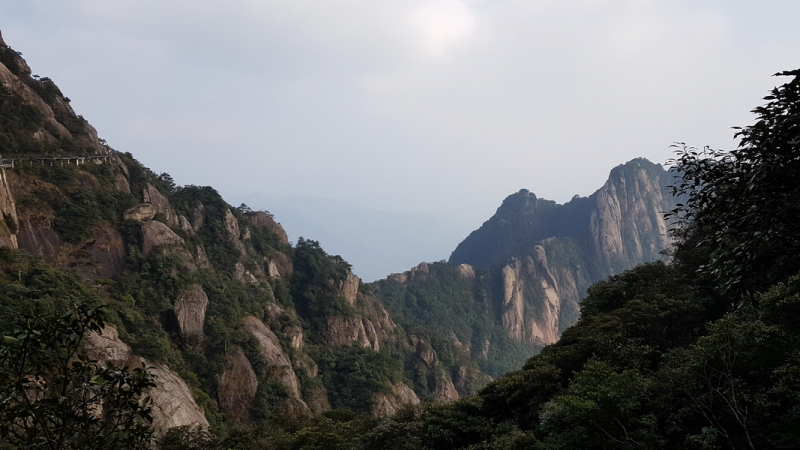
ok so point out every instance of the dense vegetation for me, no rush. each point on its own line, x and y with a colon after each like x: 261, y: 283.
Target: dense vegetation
x: 701, y: 353
x: 443, y: 301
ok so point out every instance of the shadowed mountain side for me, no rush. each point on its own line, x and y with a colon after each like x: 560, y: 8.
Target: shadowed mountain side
x: 619, y: 226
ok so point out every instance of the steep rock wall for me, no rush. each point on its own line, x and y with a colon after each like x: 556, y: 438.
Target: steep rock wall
x: 173, y: 402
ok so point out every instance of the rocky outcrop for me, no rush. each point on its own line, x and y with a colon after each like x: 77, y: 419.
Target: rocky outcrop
x: 242, y: 275
x: 16, y: 78
x: 140, y: 213
x: 278, y: 362
x: 106, y: 348
x: 398, y: 397
x: 9, y: 222
x: 161, y: 204
x: 348, y: 288
x: 265, y: 220
x: 619, y: 226
x: 37, y: 237
x: 232, y: 232
x: 156, y: 234
x: 173, y: 402
x: 106, y: 255
x: 346, y: 330
x: 540, y: 301
x: 190, y: 312
x: 198, y: 218
x: 466, y: 272
x: 627, y: 226
x: 278, y: 265
x: 13, y: 83
x: 439, y: 381
x: 238, y: 386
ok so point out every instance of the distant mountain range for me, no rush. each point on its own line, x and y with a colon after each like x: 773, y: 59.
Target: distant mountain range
x: 516, y: 283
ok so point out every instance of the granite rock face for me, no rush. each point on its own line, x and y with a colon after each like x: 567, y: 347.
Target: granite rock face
x: 238, y: 386
x: 399, y: 396
x: 526, y: 269
x: 190, y: 312
x: 156, y: 234
x: 173, y: 402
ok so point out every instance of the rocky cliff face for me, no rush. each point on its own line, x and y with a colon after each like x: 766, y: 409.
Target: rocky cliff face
x: 528, y: 267
x: 173, y: 402
x: 627, y: 225
x: 619, y: 226
x: 191, y: 281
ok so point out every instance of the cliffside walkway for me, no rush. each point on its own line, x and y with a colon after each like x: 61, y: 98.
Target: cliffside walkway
x: 10, y: 163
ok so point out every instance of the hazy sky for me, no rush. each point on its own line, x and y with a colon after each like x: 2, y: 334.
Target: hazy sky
x: 405, y: 105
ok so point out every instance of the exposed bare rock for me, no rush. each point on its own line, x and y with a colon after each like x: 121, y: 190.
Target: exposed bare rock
x: 9, y: 222
x: 238, y: 386
x: 173, y: 402
x: 399, y: 397
x: 627, y: 227
x: 465, y: 348
x: 279, y: 364
x: 106, y: 348
x: 14, y: 84
x: 371, y: 326
x: 140, y: 213
x: 417, y: 273
x: 539, y: 316
x: 198, y: 217
x: 317, y: 400
x: 279, y: 266
x: 264, y: 220
x: 466, y: 271
x: 155, y: 234
x: 184, y: 225
x: 295, y: 335
x: 190, y: 310
x: 232, y: 232
x: 443, y: 386
x: 161, y: 204
x: 400, y: 278
x: 484, y: 354
x: 345, y: 330
x: 374, y: 312
x: 242, y: 275
x: 87, y: 181
x: 37, y: 237
x: 513, y: 318
x: 202, y: 258
x: 348, y: 288
x: 121, y: 183
x: 273, y: 313
x: 106, y: 255
x: 461, y: 380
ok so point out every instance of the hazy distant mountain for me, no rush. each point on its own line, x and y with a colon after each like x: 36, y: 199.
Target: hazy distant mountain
x: 516, y: 283
x: 376, y: 243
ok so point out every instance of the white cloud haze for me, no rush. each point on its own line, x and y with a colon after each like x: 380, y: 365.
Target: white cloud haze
x: 407, y: 105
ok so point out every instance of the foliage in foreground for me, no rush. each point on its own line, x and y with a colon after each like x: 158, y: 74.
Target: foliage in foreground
x: 52, y: 397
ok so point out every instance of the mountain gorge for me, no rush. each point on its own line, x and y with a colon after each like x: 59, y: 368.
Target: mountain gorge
x: 522, y: 275
x: 238, y: 324
x: 243, y: 328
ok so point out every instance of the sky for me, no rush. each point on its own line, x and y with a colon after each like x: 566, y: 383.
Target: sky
x: 438, y: 106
